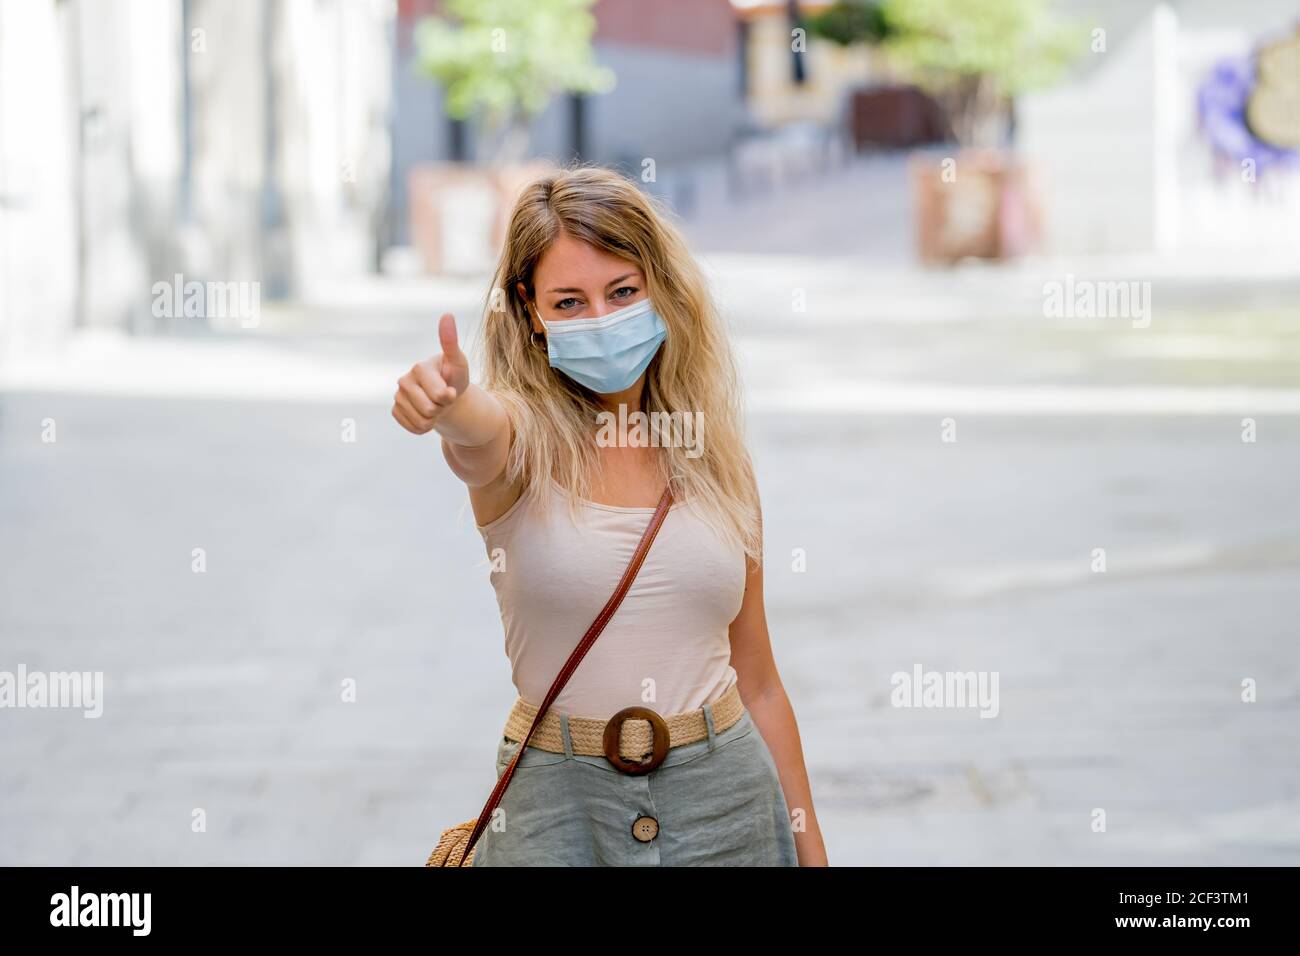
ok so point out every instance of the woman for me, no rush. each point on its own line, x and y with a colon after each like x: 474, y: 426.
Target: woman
x: 598, y: 313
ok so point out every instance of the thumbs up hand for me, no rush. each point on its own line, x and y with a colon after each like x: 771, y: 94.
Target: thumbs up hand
x: 431, y: 387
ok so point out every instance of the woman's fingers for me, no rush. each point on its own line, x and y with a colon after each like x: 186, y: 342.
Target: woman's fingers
x: 433, y: 385
x: 416, y: 407
x: 403, y: 404
x: 416, y: 389
x: 424, y: 392
x: 404, y: 419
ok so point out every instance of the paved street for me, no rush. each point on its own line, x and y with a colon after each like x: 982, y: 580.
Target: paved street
x: 330, y: 561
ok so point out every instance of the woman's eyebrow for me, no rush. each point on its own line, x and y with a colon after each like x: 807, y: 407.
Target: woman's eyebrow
x: 607, y: 285
x: 619, y: 279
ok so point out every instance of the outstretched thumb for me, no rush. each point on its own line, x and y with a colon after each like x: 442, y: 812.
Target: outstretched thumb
x: 447, y: 339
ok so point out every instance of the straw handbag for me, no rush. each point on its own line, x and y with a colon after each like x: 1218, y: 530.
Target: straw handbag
x: 456, y: 845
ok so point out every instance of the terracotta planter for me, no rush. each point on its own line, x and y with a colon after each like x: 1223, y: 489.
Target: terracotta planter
x: 983, y: 205
x: 459, y: 212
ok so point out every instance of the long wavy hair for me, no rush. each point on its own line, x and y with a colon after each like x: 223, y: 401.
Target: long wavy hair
x: 554, y: 418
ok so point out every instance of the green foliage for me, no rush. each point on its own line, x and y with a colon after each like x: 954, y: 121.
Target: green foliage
x: 850, y: 21
x: 505, y: 59
x: 1018, y: 45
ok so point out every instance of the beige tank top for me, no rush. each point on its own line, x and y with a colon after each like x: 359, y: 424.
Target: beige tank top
x: 668, y: 645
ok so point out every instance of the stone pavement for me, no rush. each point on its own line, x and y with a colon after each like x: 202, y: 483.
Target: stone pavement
x: 332, y: 561
x: 329, y: 561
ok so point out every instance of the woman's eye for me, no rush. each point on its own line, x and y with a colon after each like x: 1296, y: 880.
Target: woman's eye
x: 624, y: 292
x: 566, y: 304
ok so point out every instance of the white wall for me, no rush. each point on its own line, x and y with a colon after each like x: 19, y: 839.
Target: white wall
x: 1125, y: 168
x: 37, y: 214
x: 1100, y: 146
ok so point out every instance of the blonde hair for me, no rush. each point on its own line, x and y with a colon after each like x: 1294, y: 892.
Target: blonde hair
x: 554, y: 418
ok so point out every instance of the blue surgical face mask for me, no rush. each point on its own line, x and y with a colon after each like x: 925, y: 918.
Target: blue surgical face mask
x: 606, y: 353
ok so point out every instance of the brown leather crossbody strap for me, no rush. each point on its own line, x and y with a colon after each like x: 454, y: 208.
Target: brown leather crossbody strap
x: 588, y: 639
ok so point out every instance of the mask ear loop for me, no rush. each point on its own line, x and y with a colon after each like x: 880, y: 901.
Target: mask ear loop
x: 538, y: 338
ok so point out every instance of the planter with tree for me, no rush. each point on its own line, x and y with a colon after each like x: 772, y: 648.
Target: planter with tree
x: 975, y: 57
x: 499, y: 62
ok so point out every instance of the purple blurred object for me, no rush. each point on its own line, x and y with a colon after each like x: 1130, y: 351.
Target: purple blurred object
x: 1221, y: 102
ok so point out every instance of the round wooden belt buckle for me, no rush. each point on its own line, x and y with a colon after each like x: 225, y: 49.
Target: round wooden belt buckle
x: 659, y: 736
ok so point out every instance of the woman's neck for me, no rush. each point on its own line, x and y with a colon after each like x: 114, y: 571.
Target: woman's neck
x: 631, y: 397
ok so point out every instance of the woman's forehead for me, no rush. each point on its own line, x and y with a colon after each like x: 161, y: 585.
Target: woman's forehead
x: 572, y: 263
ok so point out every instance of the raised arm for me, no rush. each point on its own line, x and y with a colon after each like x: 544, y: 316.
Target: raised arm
x: 436, y: 394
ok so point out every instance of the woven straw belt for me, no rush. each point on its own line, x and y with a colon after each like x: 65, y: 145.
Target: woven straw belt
x: 636, y: 739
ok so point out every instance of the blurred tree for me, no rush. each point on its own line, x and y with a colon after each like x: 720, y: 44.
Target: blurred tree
x: 503, y: 61
x: 976, y: 55
x: 847, y: 22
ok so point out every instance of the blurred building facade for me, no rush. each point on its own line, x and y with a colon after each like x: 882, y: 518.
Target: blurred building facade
x: 241, y: 140
x: 680, y: 52
x: 272, y: 141
x: 1122, y: 148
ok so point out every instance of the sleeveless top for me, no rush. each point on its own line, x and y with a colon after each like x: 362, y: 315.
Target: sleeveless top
x: 667, y: 647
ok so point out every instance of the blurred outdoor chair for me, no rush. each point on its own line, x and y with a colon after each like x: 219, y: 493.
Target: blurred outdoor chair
x: 762, y: 159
